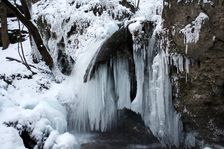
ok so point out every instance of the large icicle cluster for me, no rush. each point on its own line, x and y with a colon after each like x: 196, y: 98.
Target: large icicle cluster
x: 158, y: 112
x: 181, y: 62
x: 154, y: 100
x: 95, y: 103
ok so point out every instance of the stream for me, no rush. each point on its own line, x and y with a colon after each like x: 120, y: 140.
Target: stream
x: 110, y: 141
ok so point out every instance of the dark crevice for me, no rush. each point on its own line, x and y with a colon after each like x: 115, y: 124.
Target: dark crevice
x: 65, y: 62
x: 28, y: 141
x: 25, y: 133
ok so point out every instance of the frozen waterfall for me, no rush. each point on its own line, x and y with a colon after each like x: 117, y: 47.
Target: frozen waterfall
x: 154, y: 96
x: 95, y: 103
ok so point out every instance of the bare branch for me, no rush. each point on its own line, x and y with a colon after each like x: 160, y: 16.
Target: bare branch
x: 34, y: 32
x: 19, y: 61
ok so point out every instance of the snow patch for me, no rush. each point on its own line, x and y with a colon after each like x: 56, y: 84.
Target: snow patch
x: 10, y: 139
x: 65, y: 141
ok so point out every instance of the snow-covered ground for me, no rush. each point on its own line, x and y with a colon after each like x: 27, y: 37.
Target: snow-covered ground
x: 29, y: 102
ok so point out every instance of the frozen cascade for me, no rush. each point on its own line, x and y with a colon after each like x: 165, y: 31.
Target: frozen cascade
x: 159, y: 113
x: 96, y: 102
x: 139, y: 66
x: 122, y: 83
x: 154, y: 97
x: 93, y: 106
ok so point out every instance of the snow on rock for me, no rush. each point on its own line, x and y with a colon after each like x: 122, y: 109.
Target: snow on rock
x: 150, y: 9
x: 65, y: 141
x: 42, y: 119
x: 53, y: 111
x: 135, y: 25
x: 27, y: 103
x: 78, y: 22
x: 10, y: 139
x: 51, y: 139
x: 46, y: 116
x: 208, y: 2
x: 192, y: 31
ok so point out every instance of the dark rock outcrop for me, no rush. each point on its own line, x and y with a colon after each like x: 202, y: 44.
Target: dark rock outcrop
x: 201, y: 98
x: 132, y: 127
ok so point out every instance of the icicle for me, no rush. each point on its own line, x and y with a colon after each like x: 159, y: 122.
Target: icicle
x: 122, y: 82
x: 163, y: 120
x: 95, y: 108
x: 180, y: 63
x: 139, y: 66
x: 154, y: 98
x: 187, y: 63
x: 186, y: 48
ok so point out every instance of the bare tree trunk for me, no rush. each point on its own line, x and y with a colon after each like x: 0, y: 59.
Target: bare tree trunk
x: 33, y: 31
x: 4, y: 27
x: 25, y: 8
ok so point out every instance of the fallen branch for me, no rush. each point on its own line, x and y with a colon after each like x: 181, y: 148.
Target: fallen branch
x: 13, y: 59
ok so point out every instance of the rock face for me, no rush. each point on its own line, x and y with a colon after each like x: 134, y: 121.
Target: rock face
x: 201, y: 98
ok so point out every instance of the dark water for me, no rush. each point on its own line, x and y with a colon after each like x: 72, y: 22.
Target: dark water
x: 111, y: 141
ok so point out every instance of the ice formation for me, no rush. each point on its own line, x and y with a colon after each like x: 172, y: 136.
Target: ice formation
x: 153, y: 100
x: 181, y: 62
x: 192, y: 31
x: 94, y: 104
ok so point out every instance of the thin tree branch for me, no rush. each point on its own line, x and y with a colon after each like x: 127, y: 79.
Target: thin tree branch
x: 19, y: 61
x: 34, y: 32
